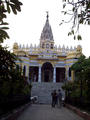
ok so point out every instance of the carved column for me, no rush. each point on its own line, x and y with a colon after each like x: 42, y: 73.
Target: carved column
x: 54, y: 75
x: 39, y: 74
x: 27, y: 73
x: 72, y: 75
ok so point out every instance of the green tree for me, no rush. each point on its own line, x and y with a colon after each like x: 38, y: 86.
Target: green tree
x: 79, y: 10
x: 12, y: 83
x: 11, y: 80
x: 6, y: 58
x: 82, y: 73
x: 78, y: 91
x: 7, y: 6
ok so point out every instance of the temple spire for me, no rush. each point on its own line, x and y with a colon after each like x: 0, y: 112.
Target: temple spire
x: 47, y: 31
x: 47, y: 15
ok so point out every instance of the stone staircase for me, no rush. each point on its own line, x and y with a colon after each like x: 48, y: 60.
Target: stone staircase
x: 43, y: 91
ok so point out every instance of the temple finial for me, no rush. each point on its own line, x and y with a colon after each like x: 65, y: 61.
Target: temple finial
x: 47, y: 15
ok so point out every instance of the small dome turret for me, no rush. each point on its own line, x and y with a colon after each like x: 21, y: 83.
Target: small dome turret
x: 15, y: 46
x: 79, y: 48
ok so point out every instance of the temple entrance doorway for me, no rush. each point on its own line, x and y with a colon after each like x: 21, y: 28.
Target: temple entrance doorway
x: 33, y: 74
x: 60, y: 74
x: 47, y: 72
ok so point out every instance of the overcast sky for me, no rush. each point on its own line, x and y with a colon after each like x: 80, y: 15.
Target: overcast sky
x: 26, y: 26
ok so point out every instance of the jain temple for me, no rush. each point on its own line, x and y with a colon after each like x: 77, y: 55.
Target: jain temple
x: 46, y: 66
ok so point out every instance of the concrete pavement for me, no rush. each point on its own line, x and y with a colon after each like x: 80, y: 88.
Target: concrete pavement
x: 46, y: 112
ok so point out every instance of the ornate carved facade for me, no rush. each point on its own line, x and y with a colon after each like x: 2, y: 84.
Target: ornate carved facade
x: 47, y: 62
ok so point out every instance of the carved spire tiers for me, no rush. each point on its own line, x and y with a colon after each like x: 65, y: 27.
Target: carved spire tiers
x: 46, y: 39
x: 47, y: 31
x: 47, y: 15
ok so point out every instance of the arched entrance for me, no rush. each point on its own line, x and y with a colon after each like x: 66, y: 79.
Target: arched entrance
x: 60, y: 74
x: 47, y: 72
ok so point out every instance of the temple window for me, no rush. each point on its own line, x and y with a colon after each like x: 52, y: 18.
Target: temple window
x: 43, y: 45
x: 51, y: 46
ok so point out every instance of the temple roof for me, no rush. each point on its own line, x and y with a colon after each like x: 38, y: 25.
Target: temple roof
x: 47, y: 31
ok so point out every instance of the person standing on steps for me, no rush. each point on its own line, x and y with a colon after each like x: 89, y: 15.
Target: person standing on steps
x: 59, y: 97
x: 54, y: 98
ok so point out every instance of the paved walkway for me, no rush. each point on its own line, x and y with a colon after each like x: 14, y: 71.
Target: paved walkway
x: 46, y: 112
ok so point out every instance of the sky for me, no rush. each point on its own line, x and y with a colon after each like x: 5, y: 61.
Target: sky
x: 27, y: 25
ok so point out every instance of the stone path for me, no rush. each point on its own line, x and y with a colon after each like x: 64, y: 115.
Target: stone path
x: 46, y: 112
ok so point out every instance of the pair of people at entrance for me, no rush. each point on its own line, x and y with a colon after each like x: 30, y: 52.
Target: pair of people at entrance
x: 56, y: 98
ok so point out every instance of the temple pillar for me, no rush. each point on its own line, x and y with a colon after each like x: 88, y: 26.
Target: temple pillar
x: 72, y: 75
x: 39, y: 74
x: 27, y: 73
x: 21, y: 69
x: 54, y: 75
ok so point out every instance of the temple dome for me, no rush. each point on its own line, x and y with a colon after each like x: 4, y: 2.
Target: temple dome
x: 47, y: 31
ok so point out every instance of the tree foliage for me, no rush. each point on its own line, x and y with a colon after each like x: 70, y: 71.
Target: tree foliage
x: 7, y: 6
x: 81, y: 85
x: 79, y: 10
x: 78, y: 91
x: 12, y: 82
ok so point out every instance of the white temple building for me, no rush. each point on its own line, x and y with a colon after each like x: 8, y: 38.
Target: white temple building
x: 46, y: 65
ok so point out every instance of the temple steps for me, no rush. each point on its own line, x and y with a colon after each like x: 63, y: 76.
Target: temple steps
x: 43, y: 91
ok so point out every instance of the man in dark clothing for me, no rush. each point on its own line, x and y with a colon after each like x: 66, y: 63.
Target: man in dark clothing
x: 54, y: 98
